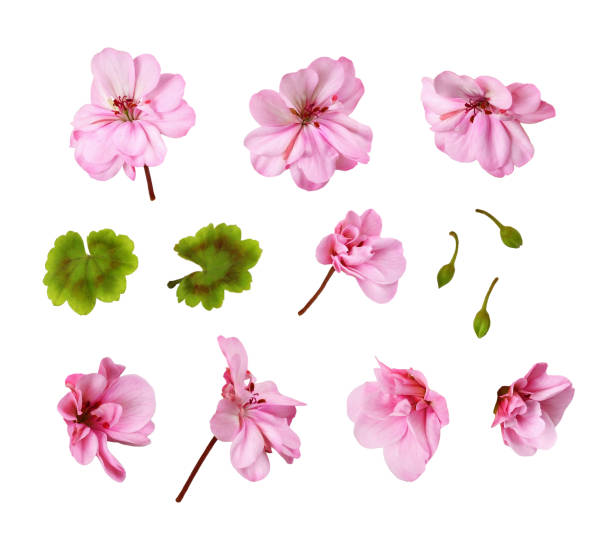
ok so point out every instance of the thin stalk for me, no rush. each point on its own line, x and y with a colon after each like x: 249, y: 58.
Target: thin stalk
x: 149, y: 182
x: 486, y: 300
x: 195, y: 469
x: 454, y: 236
x: 491, y: 217
x: 316, y: 294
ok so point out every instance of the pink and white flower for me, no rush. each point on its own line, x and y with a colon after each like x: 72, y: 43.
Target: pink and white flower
x: 254, y: 416
x: 481, y: 119
x: 107, y: 407
x: 306, y: 127
x: 357, y: 249
x: 132, y: 105
x: 530, y: 408
x: 402, y: 415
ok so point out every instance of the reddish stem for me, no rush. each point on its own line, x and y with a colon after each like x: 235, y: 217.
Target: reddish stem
x: 195, y: 469
x: 149, y: 182
x: 316, y: 294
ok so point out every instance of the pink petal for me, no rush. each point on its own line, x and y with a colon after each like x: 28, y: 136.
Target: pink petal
x: 129, y: 170
x: 525, y: 98
x: 97, y: 147
x: 130, y: 139
x: 545, y: 110
x: 373, y: 433
x: 272, y: 140
x: 268, y: 166
x: 451, y: 85
x: 330, y: 78
x: 521, y: 148
x: 518, y: 444
x: 167, y: 94
x: 319, y: 160
x: 103, y: 171
x: 155, y: 151
x: 247, y: 445
x: 490, y: 141
x: 425, y: 426
x: 225, y: 423
x: 136, y: 439
x: 277, y: 432
x: 555, y: 406
x: 258, y: 469
x: 137, y: 400
x: 175, y: 123
x: 85, y: 448
x: 91, y: 117
x: 371, y: 223
x: 351, y: 90
x: 406, y: 458
x: 300, y: 179
x: 67, y: 407
x: 108, y: 414
x: 114, y: 76
x: 547, y: 436
x: 111, y: 465
x: 343, y: 163
x: 110, y: 370
x: 542, y: 386
x: 497, y: 94
x: 297, y: 88
x: 380, y: 293
x: 236, y: 357
x: 434, y: 103
x: 350, y: 138
x: 146, y: 74
x: 325, y: 249
x: 269, y: 109
x: 92, y: 387
x: 368, y: 399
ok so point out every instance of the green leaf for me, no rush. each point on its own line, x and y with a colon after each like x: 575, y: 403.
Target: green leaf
x: 80, y: 278
x: 225, y: 260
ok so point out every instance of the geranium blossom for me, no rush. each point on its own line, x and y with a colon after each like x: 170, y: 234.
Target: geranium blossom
x: 306, y: 128
x: 402, y: 415
x: 530, y: 408
x: 132, y: 105
x: 103, y: 407
x: 480, y: 119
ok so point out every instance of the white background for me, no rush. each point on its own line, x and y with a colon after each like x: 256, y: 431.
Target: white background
x: 552, y: 302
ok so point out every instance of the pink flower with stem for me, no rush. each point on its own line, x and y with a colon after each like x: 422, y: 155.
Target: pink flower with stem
x: 530, y: 408
x: 357, y: 249
x: 254, y: 416
x: 132, y: 105
x: 103, y: 407
x: 481, y: 119
x: 402, y: 415
x: 306, y: 127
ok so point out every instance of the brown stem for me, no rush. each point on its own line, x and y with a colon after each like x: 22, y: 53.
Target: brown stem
x: 316, y: 294
x: 149, y: 182
x: 195, y: 469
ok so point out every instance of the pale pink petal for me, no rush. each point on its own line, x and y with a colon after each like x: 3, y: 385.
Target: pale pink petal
x: 436, y: 103
x: 555, y: 406
x: 91, y: 117
x: 225, y: 423
x: 300, y: 179
x: 114, y: 76
x: 277, y: 433
x: 111, y: 371
x: 518, y: 444
x: 155, y: 150
x: 406, y: 458
x: 326, y: 248
x: 167, y: 94
x: 268, y: 166
x: 371, y: 223
x: 547, y: 436
x: 111, y: 465
x: 380, y: 293
x: 347, y: 136
x: 269, y: 109
x: 530, y: 424
x: 103, y: 171
x: 451, y: 85
x: 297, y: 88
x: 92, y: 387
x: 97, y: 147
x: 67, y: 407
x: 146, y: 74
x: 491, y: 141
x: 247, y: 445
x: 130, y: 139
x: 521, y: 148
x: 425, y: 426
x: 319, y: 160
x: 542, y: 386
x: 136, y: 439
x: 545, y: 110
x: 236, y: 357
x: 496, y: 93
x: 137, y: 399
x: 343, y: 163
x: 373, y: 433
x: 330, y: 78
x: 175, y: 123
x: 272, y: 140
x: 85, y: 448
x: 525, y: 98
x: 351, y: 90
x: 129, y: 170
x: 258, y: 469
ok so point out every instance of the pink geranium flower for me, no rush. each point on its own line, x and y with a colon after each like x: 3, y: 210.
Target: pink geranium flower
x: 402, y: 415
x: 530, y: 408
x: 107, y: 407
x: 132, y: 106
x: 306, y: 127
x: 254, y: 416
x: 480, y: 119
x: 357, y: 249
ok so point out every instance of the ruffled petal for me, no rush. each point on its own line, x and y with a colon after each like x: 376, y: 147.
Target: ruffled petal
x: 114, y: 76
x: 406, y: 458
x: 111, y: 465
x: 269, y: 109
x: 137, y: 399
x: 347, y: 136
x: 236, y: 357
x: 225, y: 423
x: 146, y: 74
x: 451, y: 85
x: 247, y: 445
x: 84, y: 449
x: 258, y: 469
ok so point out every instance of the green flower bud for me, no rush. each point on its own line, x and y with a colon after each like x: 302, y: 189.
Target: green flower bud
x: 482, y: 321
x: 447, y: 272
x: 511, y: 236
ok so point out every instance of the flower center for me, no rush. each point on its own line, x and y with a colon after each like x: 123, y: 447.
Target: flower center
x: 87, y: 418
x: 478, y: 105
x: 126, y: 108
x: 310, y: 112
